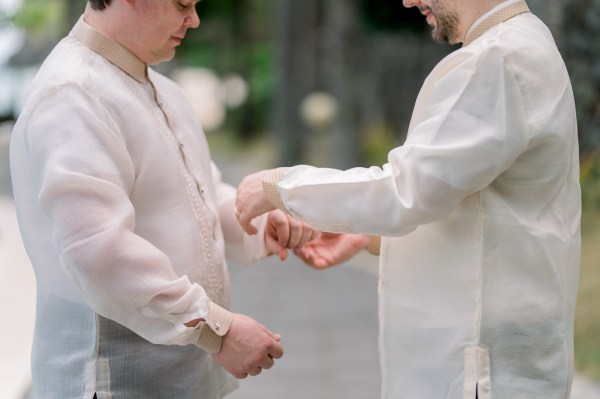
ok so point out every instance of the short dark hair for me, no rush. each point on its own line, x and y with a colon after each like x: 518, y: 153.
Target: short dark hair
x: 100, y: 4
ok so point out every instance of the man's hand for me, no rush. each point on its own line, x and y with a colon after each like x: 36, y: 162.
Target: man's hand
x: 248, y: 348
x: 331, y: 249
x: 251, y: 200
x: 283, y: 232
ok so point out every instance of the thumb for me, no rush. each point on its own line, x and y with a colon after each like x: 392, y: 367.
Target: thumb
x: 275, y: 247
x: 276, y: 337
x: 247, y: 225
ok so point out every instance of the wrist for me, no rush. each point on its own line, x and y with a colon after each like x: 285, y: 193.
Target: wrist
x: 270, y: 182
x: 213, y: 328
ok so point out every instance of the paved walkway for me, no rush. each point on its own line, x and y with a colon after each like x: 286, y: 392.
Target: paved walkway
x: 328, y: 320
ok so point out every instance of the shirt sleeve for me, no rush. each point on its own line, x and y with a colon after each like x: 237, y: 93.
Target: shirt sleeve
x: 239, y: 246
x: 83, y: 174
x: 468, y: 126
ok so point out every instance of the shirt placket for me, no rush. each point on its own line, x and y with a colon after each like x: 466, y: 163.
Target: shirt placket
x: 190, y: 170
x: 213, y: 284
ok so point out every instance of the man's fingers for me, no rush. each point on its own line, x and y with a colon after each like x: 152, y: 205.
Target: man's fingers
x: 255, y: 371
x: 244, y: 219
x: 308, y: 234
x: 304, y: 255
x: 275, y: 247
x: 295, y: 237
x: 276, y: 337
x: 248, y: 348
x: 267, y: 363
x: 283, y: 253
x: 240, y: 376
x: 300, y: 233
x: 246, y: 224
x: 276, y: 349
x: 311, y: 258
x: 282, y: 226
x: 251, y: 201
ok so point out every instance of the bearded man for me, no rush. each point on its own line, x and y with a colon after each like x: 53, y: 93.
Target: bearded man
x: 478, y: 214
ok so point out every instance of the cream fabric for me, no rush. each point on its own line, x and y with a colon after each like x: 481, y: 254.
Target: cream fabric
x: 502, y: 13
x: 111, y: 50
x: 214, y: 327
x: 480, y: 213
x: 125, y: 219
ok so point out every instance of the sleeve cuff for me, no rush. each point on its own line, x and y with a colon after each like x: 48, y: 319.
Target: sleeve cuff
x: 270, y: 182
x: 374, y: 247
x: 213, y: 329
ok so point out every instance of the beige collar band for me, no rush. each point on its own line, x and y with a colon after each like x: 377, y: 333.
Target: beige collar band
x: 502, y: 15
x: 111, y: 50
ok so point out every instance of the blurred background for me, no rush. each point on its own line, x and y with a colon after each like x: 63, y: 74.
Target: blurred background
x: 277, y: 83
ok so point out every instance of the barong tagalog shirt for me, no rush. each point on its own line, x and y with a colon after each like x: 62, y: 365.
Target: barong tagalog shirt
x: 125, y: 218
x: 479, y: 212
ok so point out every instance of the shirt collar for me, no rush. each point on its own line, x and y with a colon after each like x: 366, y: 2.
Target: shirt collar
x: 489, y: 14
x: 111, y: 50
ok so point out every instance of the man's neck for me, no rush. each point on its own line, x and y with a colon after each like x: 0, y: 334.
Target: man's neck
x: 109, y: 22
x: 101, y: 21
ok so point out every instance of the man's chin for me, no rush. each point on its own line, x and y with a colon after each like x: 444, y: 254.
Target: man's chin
x: 443, y: 38
x: 163, y: 58
x: 437, y: 37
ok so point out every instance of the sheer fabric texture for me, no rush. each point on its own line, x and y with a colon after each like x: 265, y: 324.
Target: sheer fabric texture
x: 127, y: 224
x: 479, y: 212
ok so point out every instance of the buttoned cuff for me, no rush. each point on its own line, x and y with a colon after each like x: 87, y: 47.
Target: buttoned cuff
x: 217, y: 324
x: 374, y: 247
x: 270, y: 182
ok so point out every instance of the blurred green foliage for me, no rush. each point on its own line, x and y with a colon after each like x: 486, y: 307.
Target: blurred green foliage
x: 237, y: 40
x: 35, y: 16
x: 377, y: 143
x: 587, y: 320
x: 590, y: 181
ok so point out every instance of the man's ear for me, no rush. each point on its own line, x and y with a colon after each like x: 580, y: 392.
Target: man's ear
x: 128, y: 3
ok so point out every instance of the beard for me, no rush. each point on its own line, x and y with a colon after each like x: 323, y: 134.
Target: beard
x: 445, y: 29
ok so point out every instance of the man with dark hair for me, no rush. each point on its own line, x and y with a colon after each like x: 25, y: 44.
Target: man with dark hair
x: 479, y: 214
x: 127, y: 222
x: 99, y: 4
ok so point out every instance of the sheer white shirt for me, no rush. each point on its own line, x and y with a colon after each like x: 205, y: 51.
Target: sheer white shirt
x: 479, y: 212
x: 127, y: 224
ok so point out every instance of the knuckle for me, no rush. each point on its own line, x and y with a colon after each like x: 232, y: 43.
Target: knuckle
x: 256, y: 360
x: 247, y: 365
x: 240, y: 375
